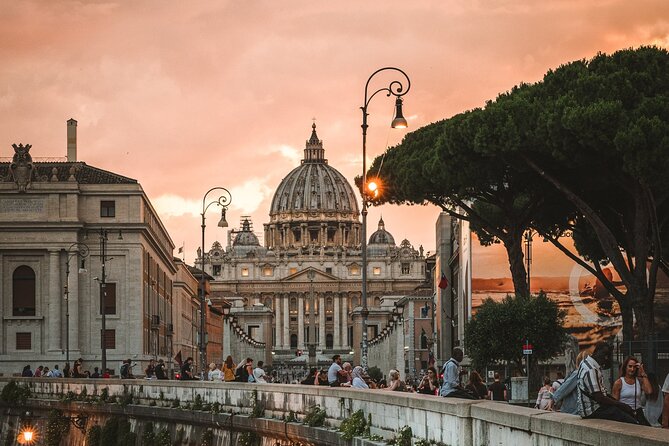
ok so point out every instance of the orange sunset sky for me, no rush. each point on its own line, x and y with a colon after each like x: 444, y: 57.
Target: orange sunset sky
x: 185, y: 96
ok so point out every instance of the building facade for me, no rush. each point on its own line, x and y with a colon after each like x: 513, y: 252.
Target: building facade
x: 300, y: 291
x: 76, y: 240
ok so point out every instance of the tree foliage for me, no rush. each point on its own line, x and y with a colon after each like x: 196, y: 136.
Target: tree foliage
x: 583, y: 152
x: 498, y: 330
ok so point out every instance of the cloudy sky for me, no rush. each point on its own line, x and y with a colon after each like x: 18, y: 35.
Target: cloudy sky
x: 188, y: 95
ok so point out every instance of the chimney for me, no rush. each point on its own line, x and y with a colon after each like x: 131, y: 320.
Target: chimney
x: 71, y: 140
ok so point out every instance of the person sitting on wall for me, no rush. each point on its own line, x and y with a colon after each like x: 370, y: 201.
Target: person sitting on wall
x: 451, y: 370
x: 593, y: 399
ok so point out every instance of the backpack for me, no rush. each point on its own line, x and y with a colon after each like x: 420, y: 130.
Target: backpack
x: 124, y: 370
x: 242, y: 375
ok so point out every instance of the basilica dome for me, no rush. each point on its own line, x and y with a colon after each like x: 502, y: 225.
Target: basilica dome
x: 314, y: 186
x: 314, y: 205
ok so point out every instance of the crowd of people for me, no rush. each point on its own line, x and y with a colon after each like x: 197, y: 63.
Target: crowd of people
x: 636, y: 396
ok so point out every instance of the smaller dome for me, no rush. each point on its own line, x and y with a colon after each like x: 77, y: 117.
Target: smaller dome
x: 246, y: 237
x: 381, y: 236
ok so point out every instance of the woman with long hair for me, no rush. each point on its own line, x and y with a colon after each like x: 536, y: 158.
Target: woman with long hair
x: 429, y: 385
x: 653, y: 402
x: 631, y: 385
x: 476, y: 386
x: 229, y: 367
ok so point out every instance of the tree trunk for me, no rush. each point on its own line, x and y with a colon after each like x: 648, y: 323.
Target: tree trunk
x: 514, y: 251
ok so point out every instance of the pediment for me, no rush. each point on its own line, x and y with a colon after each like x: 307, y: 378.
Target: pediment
x: 303, y: 276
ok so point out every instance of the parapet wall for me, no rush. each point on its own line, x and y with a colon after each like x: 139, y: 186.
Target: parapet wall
x: 449, y: 421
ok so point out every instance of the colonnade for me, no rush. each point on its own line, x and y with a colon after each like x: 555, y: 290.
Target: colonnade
x: 338, y: 328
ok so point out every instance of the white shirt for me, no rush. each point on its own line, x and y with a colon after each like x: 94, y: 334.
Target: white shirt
x: 215, y: 375
x: 259, y: 375
x: 359, y: 383
x: 332, y: 372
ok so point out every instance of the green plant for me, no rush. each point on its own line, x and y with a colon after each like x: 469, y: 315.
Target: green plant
x: 125, y: 398
x: 216, y: 407
x: 207, y: 438
x: 163, y: 437
x: 403, y: 437
x: 422, y: 442
x: 15, y: 393
x: 175, y: 403
x: 93, y: 436
x: 353, y: 426
x: 248, y: 439
x: 152, y: 403
x: 56, y: 427
x: 375, y: 373
x: 69, y: 396
x: 291, y: 418
x: 104, y: 395
x: 315, y: 417
x: 197, y: 402
x: 148, y: 436
x: 161, y: 396
x: 258, y: 408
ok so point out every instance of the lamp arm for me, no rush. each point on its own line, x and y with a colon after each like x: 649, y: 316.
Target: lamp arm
x: 396, y: 88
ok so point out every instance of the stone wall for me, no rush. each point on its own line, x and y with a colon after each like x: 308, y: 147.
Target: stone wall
x: 450, y: 421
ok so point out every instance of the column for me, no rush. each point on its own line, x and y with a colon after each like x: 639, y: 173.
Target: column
x: 73, y: 306
x: 344, y: 321
x: 300, y: 322
x: 53, y: 304
x: 278, y: 332
x: 321, y: 322
x: 336, y: 343
x: 286, y: 321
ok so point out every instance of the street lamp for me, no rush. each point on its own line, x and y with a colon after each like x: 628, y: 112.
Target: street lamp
x: 223, y: 201
x: 104, y: 233
x: 395, y: 88
x: 79, y: 250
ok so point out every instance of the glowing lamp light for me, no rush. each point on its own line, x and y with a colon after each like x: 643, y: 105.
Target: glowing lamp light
x: 373, y: 188
x: 27, y: 436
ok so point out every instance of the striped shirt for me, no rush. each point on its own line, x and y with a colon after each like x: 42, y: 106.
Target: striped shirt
x: 590, y: 380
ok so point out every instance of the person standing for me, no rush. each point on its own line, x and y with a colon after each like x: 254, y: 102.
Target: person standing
x: 451, y: 370
x: 214, y: 373
x: 593, y: 399
x: 38, y: 371
x: 96, y: 373
x: 229, y: 369
x: 545, y: 396
x: 497, y: 390
x: 67, y: 372
x: 160, y: 370
x: 150, y: 370
x: 187, y: 370
x: 27, y: 373
x: 77, y: 372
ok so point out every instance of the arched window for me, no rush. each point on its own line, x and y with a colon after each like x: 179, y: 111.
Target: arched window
x: 329, y: 341
x: 293, y: 305
x: 268, y: 302
x: 23, y: 291
x: 423, y: 341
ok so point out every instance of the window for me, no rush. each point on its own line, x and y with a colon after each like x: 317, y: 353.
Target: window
x: 217, y: 270
x: 110, y: 339
x: 107, y: 209
x: 109, y: 297
x: 293, y: 341
x: 23, y: 288
x: 329, y: 341
x: 376, y: 270
x: 268, y: 271
x: 24, y: 341
x: 406, y: 268
x: 354, y: 270
x: 254, y: 330
x: 328, y: 270
x: 245, y: 272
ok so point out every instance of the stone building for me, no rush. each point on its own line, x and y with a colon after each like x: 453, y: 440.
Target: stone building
x: 54, y: 215
x: 300, y: 291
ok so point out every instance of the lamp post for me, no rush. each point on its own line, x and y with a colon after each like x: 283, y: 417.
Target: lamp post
x: 103, y: 292
x: 80, y: 250
x: 223, y: 201
x: 395, y: 88
x: 311, y: 345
